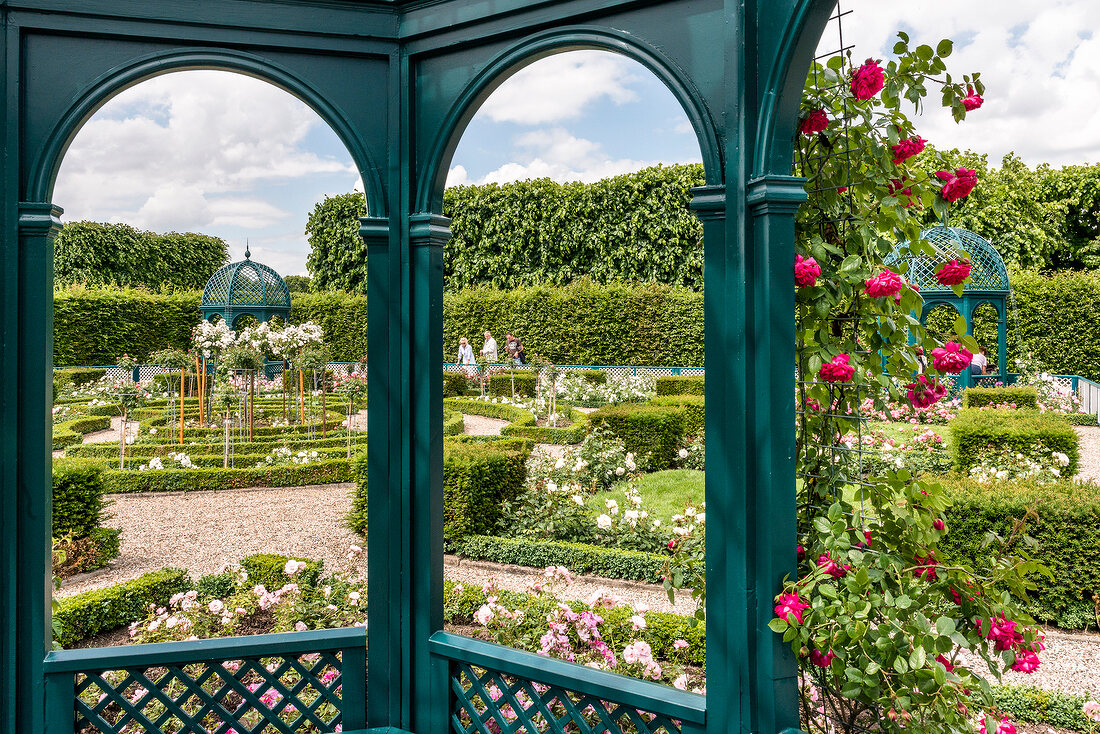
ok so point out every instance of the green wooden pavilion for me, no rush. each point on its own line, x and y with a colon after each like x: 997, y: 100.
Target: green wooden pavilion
x: 245, y: 290
x: 398, y: 80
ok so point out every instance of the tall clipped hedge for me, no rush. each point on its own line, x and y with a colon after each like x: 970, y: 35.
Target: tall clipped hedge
x: 582, y: 323
x: 117, y: 254
x: 636, y: 228
x: 585, y: 323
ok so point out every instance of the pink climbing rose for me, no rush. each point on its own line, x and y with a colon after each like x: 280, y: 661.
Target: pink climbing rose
x: 972, y: 100
x: 953, y: 272
x: 906, y: 149
x: 1004, y: 727
x: 820, y: 659
x: 831, y: 567
x: 806, y: 271
x: 1026, y: 662
x: 838, y: 370
x: 957, y: 185
x: 884, y: 284
x: 868, y: 80
x: 924, y: 393
x: 790, y: 606
x: 814, y: 123
x: 952, y: 357
x: 1001, y: 632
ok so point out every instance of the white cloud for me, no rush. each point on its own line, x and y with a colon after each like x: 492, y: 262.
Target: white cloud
x: 458, y: 176
x: 181, y: 138
x: 1040, y: 64
x: 560, y: 87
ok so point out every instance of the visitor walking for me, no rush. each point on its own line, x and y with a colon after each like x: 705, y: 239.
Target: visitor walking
x: 466, y: 355
x: 489, y: 350
x: 514, y: 347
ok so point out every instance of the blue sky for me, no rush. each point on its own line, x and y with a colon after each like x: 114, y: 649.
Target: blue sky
x: 232, y: 156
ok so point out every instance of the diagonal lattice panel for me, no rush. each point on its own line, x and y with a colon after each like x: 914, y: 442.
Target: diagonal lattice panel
x: 265, y: 694
x: 490, y: 702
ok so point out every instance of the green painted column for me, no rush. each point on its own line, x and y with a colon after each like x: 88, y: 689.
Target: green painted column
x: 428, y: 233
x: 772, y: 508
x: 32, y: 280
x: 1002, y: 341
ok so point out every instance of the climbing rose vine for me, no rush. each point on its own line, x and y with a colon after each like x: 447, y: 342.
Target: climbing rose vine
x: 875, y: 616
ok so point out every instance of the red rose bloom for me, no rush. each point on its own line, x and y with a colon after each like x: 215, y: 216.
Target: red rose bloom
x: 806, y: 271
x: 906, y: 149
x: 884, y: 284
x: 957, y: 185
x: 821, y: 660
x: 868, y: 80
x: 972, y: 100
x: 951, y: 357
x: 953, y: 272
x: 945, y: 663
x: 925, y: 393
x: 1026, y: 662
x: 814, y: 123
x: 838, y: 370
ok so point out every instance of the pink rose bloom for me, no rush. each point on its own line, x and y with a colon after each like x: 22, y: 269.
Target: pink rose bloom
x: 939, y: 524
x: 972, y: 100
x: 787, y: 606
x: 821, y: 660
x: 953, y: 272
x: 1005, y: 727
x: 884, y: 284
x: 906, y: 149
x: 952, y: 357
x: 831, y: 567
x: 806, y: 271
x: 1002, y: 633
x: 957, y: 185
x: 1026, y: 662
x: 924, y: 393
x: 838, y: 370
x: 814, y: 123
x: 926, y: 567
x: 868, y: 80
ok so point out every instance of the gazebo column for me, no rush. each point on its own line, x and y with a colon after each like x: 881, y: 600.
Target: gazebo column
x: 1002, y: 341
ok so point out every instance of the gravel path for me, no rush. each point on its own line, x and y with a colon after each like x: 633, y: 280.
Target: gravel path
x: 479, y: 425
x: 1071, y: 663
x: 1089, y: 464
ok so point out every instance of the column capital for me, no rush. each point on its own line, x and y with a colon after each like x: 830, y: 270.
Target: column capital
x: 375, y: 231
x: 775, y: 195
x: 429, y: 230
x: 39, y: 219
x: 708, y: 202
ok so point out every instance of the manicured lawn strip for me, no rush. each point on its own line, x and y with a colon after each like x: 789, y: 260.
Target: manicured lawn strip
x: 664, y: 493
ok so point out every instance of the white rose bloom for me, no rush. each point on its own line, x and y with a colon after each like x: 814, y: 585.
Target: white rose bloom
x: 683, y: 453
x: 603, y: 522
x: 560, y: 464
x: 620, y: 471
x: 578, y: 499
x: 612, y: 506
x: 552, y: 486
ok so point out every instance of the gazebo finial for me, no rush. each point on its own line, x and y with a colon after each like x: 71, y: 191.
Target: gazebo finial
x: 247, y: 254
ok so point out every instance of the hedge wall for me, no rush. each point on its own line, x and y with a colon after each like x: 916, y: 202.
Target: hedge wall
x: 979, y: 397
x: 681, y: 385
x: 695, y: 417
x: 78, y: 490
x: 974, y: 430
x: 82, y: 615
x: 1068, y: 532
x: 653, y: 430
x: 195, y: 480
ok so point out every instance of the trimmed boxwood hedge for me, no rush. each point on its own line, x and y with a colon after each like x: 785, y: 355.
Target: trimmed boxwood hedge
x: 78, y: 376
x: 144, y: 451
x: 331, y: 471
x: 500, y: 384
x: 644, y: 429
x: 268, y: 569
x: 695, y: 417
x: 453, y: 423
x: 72, y: 431
x: 1067, y: 529
x: 522, y: 422
x: 1030, y: 703
x: 477, y: 480
x: 213, y: 457
x: 78, y: 489
x: 454, y: 383
x: 974, y: 429
x: 612, y: 563
x: 681, y: 385
x: 82, y: 615
x: 593, y: 377
x: 979, y: 397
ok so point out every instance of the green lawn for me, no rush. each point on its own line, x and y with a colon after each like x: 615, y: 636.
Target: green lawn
x: 664, y: 493
x: 905, y: 431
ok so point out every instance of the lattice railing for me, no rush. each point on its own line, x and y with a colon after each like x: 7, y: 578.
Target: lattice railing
x: 621, y: 371
x: 288, y: 683
x: 496, y: 689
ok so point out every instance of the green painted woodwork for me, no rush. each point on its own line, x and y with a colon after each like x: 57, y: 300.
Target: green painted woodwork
x: 314, y: 679
x: 245, y: 288
x: 398, y: 81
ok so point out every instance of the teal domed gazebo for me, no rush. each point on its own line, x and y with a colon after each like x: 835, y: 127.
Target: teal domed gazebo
x: 988, y: 284
x: 245, y: 288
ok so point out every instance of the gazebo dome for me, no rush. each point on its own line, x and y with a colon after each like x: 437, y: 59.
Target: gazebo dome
x: 987, y: 274
x: 245, y: 288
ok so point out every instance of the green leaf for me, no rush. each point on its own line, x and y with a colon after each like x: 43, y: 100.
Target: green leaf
x: 778, y: 626
x: 944, y: 48
x: 945, y: 626
x: 960, y: 325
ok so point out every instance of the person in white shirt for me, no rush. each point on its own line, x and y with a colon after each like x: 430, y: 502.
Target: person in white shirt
x: 490, y: 348
x: 978, y: 363
x: 465, y: 353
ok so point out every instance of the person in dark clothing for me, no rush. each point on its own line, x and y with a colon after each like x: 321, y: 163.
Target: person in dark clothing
x: 514, y: 347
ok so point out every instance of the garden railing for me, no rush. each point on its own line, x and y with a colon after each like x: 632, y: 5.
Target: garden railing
x: 285, y: 683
